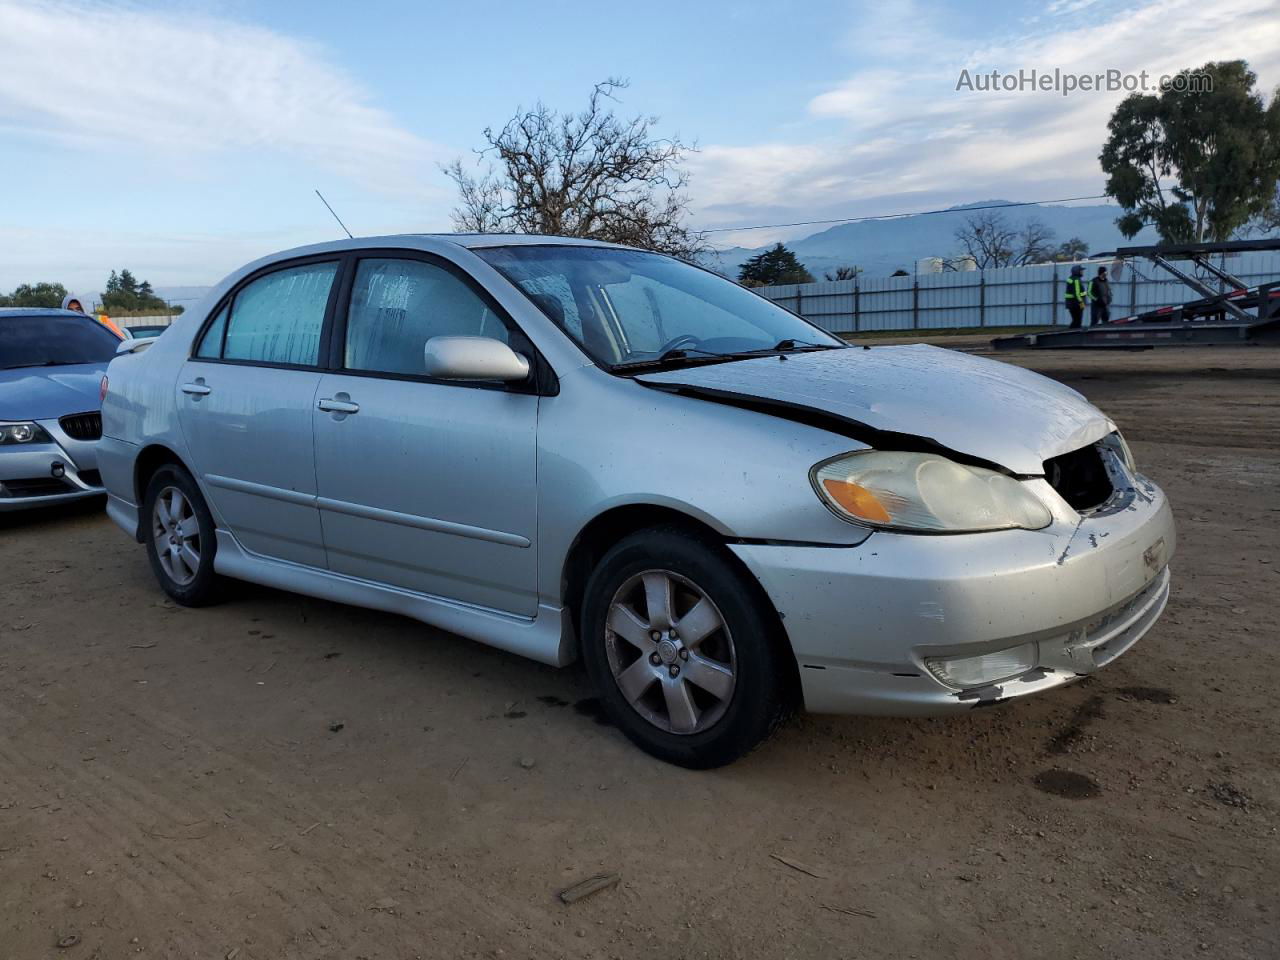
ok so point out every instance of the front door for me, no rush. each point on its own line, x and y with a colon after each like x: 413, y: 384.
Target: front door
x: 245, y: 401
x: 426, y: 485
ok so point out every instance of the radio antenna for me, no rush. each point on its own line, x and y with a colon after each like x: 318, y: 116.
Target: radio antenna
x: 335, y: 216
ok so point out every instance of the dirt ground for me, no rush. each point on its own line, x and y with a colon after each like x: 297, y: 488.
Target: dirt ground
x: 285, y: 777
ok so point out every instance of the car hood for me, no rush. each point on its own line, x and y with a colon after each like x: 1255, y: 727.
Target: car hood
x: 890, y: 396
x: 46, y: 393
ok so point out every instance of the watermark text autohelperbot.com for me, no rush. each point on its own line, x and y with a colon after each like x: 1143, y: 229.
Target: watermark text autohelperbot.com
x: 1032, y: 80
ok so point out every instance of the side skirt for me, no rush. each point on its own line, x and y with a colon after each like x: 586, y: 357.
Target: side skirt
x: 546, y: 638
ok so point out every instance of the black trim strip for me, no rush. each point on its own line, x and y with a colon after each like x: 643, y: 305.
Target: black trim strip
x: 431, y: 524
x: 765, y: 542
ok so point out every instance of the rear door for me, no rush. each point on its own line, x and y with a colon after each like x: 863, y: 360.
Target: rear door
x: 425, y: 484
x: 245, y: 401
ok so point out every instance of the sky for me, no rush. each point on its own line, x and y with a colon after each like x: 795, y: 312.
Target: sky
x: 183, y: 139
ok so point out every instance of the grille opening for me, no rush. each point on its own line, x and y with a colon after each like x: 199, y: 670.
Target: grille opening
x: 92, y: 477
x: 82, y: 426
x: 1080, y: 477
x: 35, y: 487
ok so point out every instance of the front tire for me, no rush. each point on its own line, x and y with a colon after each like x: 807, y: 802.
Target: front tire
x: 683, y: 649
x: 180, y: 540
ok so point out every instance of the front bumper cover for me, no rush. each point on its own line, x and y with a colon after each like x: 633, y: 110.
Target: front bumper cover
x: 37, y: 461
x: 862, y: 620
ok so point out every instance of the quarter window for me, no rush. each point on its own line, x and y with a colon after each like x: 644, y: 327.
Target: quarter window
x: 211, y: 343
x: 277, y: 318
x: 398, y: 305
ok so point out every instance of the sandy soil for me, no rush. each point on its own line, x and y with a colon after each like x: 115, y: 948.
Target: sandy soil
x: 283, y: 777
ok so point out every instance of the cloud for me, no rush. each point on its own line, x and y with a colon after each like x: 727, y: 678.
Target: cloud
x: 898, y: 135
x: 131, y: 79
x: 79, y: 258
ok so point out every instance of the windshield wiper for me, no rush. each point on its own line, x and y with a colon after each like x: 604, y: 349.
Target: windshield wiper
x: 681, y: 353
x: 790, y: 343
x: 781, y: 347
x: 693, y: 354
x: 698, y: 355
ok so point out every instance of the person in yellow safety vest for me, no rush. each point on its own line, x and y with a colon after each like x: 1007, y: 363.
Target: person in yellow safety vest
x: 1077, y: 295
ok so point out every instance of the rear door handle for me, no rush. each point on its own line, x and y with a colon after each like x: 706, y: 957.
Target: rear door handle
x: 196, y: 389
x: 331, y: 405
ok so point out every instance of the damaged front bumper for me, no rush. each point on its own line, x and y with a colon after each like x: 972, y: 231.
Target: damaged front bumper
x: 867, y: 622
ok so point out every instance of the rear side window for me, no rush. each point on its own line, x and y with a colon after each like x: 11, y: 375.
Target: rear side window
x: 211, y: 343
x: 276, y: 318
x: 398, y: 305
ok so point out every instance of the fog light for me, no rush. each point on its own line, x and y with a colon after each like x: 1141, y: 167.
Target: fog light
x: 57, y: 470
x: 986, y: 669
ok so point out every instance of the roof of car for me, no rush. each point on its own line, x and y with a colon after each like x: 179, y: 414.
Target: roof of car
x: 40, y: 312
x: 437, y: 243
x: 474, y: 240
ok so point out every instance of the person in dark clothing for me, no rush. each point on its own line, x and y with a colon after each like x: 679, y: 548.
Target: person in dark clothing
x: 1077, y: 297
x: 1100, y: 298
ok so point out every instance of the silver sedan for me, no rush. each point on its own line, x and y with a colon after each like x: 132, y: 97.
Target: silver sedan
x: 51, y: 366
x: 570, y: 449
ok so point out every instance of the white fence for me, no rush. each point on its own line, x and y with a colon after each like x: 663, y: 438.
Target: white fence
x: 1012, y: 296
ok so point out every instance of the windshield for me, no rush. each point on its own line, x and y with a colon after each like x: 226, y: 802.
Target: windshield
x: 47, y: 341
x: 628, y: 307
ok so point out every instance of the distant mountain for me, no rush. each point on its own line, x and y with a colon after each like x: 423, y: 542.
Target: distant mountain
x: 880, y: 247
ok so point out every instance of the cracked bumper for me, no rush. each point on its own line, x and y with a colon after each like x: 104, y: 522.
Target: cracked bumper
x: 863, y: 620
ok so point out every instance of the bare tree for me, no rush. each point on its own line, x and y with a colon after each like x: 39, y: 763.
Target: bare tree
x: 987, y: 238
x: 993, y: 242
x: 1034, y: 244
x: 587, y: 174
x: 843, y: 273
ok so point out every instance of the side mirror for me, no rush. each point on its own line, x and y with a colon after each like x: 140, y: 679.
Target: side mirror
x: 473, y: 358
x: 134, y: 345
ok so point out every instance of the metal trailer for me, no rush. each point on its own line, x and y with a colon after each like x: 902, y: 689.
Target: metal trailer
x: 1238, y: 315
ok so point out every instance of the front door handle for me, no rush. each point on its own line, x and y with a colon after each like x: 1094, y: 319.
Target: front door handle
x: 334, y: 405
x: 197, y: 389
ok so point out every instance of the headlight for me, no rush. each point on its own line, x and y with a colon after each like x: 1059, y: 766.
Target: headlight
x: 1115, y: 443
x: 926, y: 493
x: 23, y: 433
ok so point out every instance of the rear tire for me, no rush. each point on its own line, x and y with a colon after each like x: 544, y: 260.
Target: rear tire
x: 683, y: 649
x: 178, y: 532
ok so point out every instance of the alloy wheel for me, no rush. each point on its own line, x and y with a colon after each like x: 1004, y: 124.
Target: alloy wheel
x: 176, y: 531
x: 670, y: 652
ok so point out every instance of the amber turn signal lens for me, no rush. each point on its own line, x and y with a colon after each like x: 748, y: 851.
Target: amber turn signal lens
x: 859, y: 501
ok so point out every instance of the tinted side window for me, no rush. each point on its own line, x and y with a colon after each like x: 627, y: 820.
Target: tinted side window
x: 211, y: 343
x: 277, y: 318
x: 398, y: 305
x: 52, y: 340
